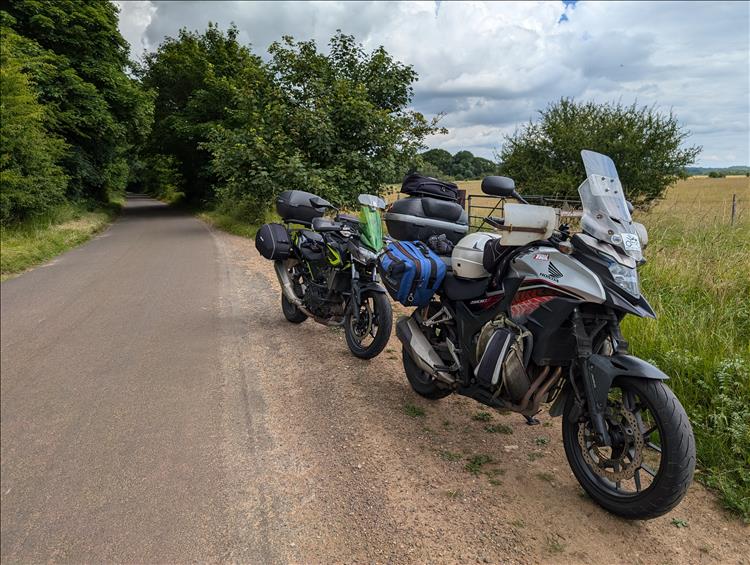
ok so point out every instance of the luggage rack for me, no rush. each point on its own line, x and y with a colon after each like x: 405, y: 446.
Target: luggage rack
x: 479, y: 206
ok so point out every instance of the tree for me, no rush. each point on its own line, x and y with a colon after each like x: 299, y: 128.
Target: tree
x: 196, y: 78
x: 646, y: 146
x: 439, y: 159
x: 77, y: 60
x: 31, y: 180
x: 336, y: 124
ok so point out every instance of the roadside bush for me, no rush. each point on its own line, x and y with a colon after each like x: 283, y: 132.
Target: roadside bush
x: 337, y: 125
x: 647, y: 146
x: 716, y: 175
x: 32, y: 182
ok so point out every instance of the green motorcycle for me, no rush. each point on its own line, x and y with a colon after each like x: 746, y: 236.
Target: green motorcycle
x: 330, y: 273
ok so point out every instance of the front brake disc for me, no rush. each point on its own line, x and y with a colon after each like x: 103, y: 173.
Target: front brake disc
x: 605, y: 465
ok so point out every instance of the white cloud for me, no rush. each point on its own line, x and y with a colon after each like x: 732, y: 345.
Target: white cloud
x: 490, y: 66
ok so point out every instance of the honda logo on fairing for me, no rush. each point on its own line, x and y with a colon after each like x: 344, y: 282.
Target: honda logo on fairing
x: 553, y: 273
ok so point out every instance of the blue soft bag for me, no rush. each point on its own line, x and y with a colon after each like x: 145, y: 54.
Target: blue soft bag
x: 411, y: 272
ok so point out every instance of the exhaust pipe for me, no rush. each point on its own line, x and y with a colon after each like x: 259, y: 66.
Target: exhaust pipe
x: 420, y: 349
x: 288, y: 289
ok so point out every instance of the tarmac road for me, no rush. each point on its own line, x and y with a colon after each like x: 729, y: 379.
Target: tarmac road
x: 111, y: 398
x: 157, y: 408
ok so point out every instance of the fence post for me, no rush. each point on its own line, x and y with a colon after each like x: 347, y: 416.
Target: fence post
x: 734, y: 208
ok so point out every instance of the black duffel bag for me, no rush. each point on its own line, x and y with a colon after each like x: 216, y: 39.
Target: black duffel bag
x: 416, y: 184
x: 272, y: 241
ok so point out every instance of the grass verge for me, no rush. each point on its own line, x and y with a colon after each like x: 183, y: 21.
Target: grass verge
x: 231, y: 223
x: 698, y: 280
x: 29, y: 244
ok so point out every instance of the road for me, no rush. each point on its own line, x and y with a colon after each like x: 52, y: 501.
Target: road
x: 156, y: 407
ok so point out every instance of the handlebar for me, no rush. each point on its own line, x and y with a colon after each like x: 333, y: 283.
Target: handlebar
x: 495, y: 222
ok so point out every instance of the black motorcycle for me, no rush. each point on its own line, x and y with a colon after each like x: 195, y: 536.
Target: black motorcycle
x: 326, y: 267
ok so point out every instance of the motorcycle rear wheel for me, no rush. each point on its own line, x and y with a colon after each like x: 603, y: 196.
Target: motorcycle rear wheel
x: 421, y: 382
x: 291, y: 312
x: 660, y: 469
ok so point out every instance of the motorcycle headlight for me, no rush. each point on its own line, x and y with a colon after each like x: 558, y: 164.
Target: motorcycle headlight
x: 625, y: 277
x: 363, y: 255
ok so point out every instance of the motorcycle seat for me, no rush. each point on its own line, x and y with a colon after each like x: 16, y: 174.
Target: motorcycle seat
x: 312, y: 236
x: 463, y: 289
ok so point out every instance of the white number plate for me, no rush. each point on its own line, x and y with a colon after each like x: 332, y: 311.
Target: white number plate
x: 631, y: 242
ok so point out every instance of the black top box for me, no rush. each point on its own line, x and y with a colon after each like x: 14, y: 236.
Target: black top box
x: 419, y: 218
x: 295, y: 206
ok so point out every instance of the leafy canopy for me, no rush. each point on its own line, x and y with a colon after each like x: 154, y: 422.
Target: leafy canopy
x: 647, y: 147
x: 197, y: 79
x: 335, y: 124
x: 31, y: 180
x: 77, y: 63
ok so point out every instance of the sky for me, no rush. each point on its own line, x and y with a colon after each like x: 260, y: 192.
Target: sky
x: 490, y: 66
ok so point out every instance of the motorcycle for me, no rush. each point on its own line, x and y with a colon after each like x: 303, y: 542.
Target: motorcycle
x: 543, y: 326
x: 329, y: 274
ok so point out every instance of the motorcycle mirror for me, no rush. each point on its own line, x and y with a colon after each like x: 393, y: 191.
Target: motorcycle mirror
x: 640, y: 229
x: 318, y: 202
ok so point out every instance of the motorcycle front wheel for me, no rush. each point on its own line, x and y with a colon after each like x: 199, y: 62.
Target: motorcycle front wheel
x: 648, y: 467
x: 368, y: 333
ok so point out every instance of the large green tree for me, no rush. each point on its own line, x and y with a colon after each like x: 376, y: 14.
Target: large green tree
x: 336, y: 124
x: 196, y: 78
x: 77, y: 62
x: 647, y: 147
x: 31, y: 179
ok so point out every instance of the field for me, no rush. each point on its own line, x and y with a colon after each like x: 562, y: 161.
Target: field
x: 698, y: 279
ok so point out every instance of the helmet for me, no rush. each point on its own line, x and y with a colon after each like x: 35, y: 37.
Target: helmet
x: 466, y: 258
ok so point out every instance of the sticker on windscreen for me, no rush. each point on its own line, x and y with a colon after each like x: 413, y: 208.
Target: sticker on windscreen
x: 630, y: 242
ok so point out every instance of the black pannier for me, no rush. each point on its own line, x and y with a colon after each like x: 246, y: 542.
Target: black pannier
x: 295, y: 206
x: 272, y: 241
x: 416, y: 184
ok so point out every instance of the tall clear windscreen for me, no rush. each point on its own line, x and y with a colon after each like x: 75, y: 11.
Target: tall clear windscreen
x: 605, y: 210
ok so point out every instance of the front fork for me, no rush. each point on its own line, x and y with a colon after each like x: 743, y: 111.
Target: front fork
x: 358, y: 287
x: 596, y: 401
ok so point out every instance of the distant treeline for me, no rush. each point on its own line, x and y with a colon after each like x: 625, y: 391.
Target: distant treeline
x: 717, y: 171
x: 461, y: 166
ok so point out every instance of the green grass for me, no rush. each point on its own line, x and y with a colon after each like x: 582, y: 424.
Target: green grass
x: 450, y: 455
x: 474, y: 466
x: 482, y: 417
x: 498, y: 429
x: 414, y: 411
x: 36, y: 241
x: 229, y: 223
x: 698, y: 280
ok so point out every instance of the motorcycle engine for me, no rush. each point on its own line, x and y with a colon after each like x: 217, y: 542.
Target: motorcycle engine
x: 318, y: 301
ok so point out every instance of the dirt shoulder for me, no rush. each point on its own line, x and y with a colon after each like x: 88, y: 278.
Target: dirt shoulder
x: 327, y: 465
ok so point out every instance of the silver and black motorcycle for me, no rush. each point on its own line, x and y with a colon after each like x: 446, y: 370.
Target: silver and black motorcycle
x: 538, y: 321
x: 327, y: 271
